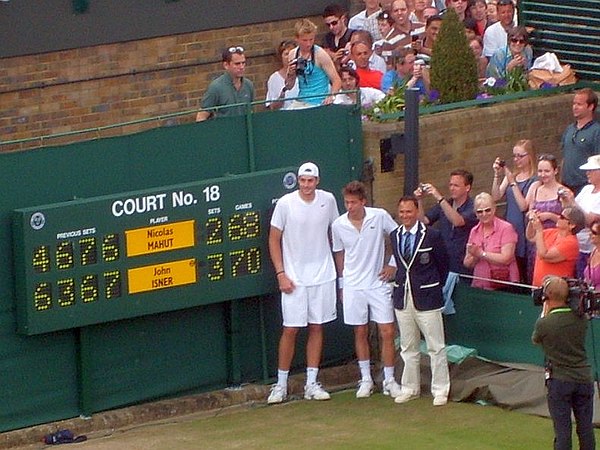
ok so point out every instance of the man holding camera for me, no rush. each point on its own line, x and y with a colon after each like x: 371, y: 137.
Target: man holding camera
x: 313, y: 67
x: 561, y: 333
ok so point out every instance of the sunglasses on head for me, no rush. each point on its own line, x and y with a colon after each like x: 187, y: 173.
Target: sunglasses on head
x: 237, y: 49
x: 562, y: 216
x: 546, y: 157
x: 483, y: 210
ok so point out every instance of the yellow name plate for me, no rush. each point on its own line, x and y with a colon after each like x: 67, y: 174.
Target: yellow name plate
x: 160, y: 238
x: 162, y: 276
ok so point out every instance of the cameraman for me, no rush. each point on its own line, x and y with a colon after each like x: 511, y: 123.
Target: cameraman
x: 561, y: 333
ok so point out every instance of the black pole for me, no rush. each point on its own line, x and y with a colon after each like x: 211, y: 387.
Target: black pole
x: 411, y: 141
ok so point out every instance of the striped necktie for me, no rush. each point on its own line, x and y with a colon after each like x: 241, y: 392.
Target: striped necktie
x: 407, y: 246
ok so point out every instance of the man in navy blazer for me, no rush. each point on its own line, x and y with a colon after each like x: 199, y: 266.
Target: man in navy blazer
x: 422, y: 262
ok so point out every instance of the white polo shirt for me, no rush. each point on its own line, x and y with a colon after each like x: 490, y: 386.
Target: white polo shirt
x: 307, y: 258
x: 364, y: 250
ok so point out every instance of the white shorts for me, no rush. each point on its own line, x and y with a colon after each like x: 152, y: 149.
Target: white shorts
x: 309, y: 304
x: 358, y: 303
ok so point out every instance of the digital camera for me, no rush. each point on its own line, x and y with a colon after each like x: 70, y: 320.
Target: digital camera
x: 300, y: 66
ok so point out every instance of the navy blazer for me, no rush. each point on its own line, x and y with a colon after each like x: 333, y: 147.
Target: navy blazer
x: 427, y: 269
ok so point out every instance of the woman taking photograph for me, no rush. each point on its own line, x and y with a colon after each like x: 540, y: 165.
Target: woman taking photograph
x: 276, y: 90
x: 518, y: 53
x: 491, y: 247
x: 557, y: 248
x: 515, y: 185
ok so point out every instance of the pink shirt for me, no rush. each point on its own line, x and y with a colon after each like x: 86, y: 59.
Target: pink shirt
x: 502, y: 233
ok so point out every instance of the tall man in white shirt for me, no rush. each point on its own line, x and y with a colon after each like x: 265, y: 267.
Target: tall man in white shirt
x: 362, y: 265
x: 301, y: 255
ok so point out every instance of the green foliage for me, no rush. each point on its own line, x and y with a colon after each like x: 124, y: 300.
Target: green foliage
x: 391, y: 103
x: 453, y: 64
x: 516, y: 81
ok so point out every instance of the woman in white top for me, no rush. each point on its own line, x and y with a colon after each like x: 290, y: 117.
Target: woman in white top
x: 276, y: 90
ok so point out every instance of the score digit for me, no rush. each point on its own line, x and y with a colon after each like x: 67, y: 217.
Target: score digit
x: 110, y: 247
x: 88, y: 251
x: 41, y: 259
x: 64, y: 255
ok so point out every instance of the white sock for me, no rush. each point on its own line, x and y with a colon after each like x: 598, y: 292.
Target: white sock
x: 388, y: 373
x: 282, y: 378
x: 311, y: 375
x: 365, y: 369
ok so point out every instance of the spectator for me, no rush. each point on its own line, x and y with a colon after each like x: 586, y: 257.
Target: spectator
x: 591, y: 273
x: 230, y: 88
x: 495, y: 36
x: 359, y: 238
x: 417, y: 15
x: 460, y: 6
x: 556, y: 248
x: 361, y: 52
x: 519, y: 54
x: 588, y: 200
x: 350, y: 79
x: 581, y: 138
x: 376, y: 62
x: 422, y: 262
x: 456, y: 215
x: 568, y: 378
x: 492, y: 12
x: 491, y: 247
x: 543, y: 199
x: 277, y: 91
x: 371, y: 22
x: 339, y: 34
x: 476, y: 45
x: 359, y: 21
x: 478, y: 11
x: 424, y: 46
x: 305, y: 272
x: 385, y: 22
x: 403, y: 27
x: 515, y: 185
x: 430, y: 11
x: 407, y: 74
x: 318, y: 77
x: 543, y: 195
x: 470, y: 28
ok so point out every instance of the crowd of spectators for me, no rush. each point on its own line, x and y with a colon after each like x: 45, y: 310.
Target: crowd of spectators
x: 375, y: 42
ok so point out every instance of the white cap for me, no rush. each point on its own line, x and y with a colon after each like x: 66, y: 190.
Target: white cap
x: 308, y: 169
x: 593, y: 163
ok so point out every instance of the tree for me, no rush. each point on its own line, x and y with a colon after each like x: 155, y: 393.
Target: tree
x: 453, y: 64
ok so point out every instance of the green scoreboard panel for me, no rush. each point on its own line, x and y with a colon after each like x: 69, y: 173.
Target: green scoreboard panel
x: 113, y: 257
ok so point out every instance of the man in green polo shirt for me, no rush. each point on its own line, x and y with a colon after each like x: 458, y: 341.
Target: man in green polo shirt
x: 561, y: 333
x: 231, y: 88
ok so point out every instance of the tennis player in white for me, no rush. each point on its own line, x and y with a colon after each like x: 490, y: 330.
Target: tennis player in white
x: 359, y: 238
x: 301, y: 255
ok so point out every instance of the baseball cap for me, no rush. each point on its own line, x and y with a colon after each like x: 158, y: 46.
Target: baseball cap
x: 593, y: 163
x: 308, y: 169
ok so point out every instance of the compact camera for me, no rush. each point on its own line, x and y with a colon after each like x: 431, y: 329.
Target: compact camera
x: 423, y: 187
x: 561, y: 192
x: 502, y: 163
x: 583, y: 299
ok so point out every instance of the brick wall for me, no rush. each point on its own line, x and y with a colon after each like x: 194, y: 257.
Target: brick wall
x: 469, y: 139
x: 97, y: 86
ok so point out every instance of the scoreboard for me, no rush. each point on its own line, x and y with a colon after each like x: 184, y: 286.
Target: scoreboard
x: 107, y: 258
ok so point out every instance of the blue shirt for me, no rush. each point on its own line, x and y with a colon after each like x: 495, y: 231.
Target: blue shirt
x: 455, y: 238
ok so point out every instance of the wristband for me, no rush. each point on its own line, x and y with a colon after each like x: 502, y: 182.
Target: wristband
x: 513, y: 184
x: 280, y: 272
x: 340, y: 282
x: 441, y: 200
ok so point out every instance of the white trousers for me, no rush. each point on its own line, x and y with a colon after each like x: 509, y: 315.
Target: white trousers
x: 412, y: 323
